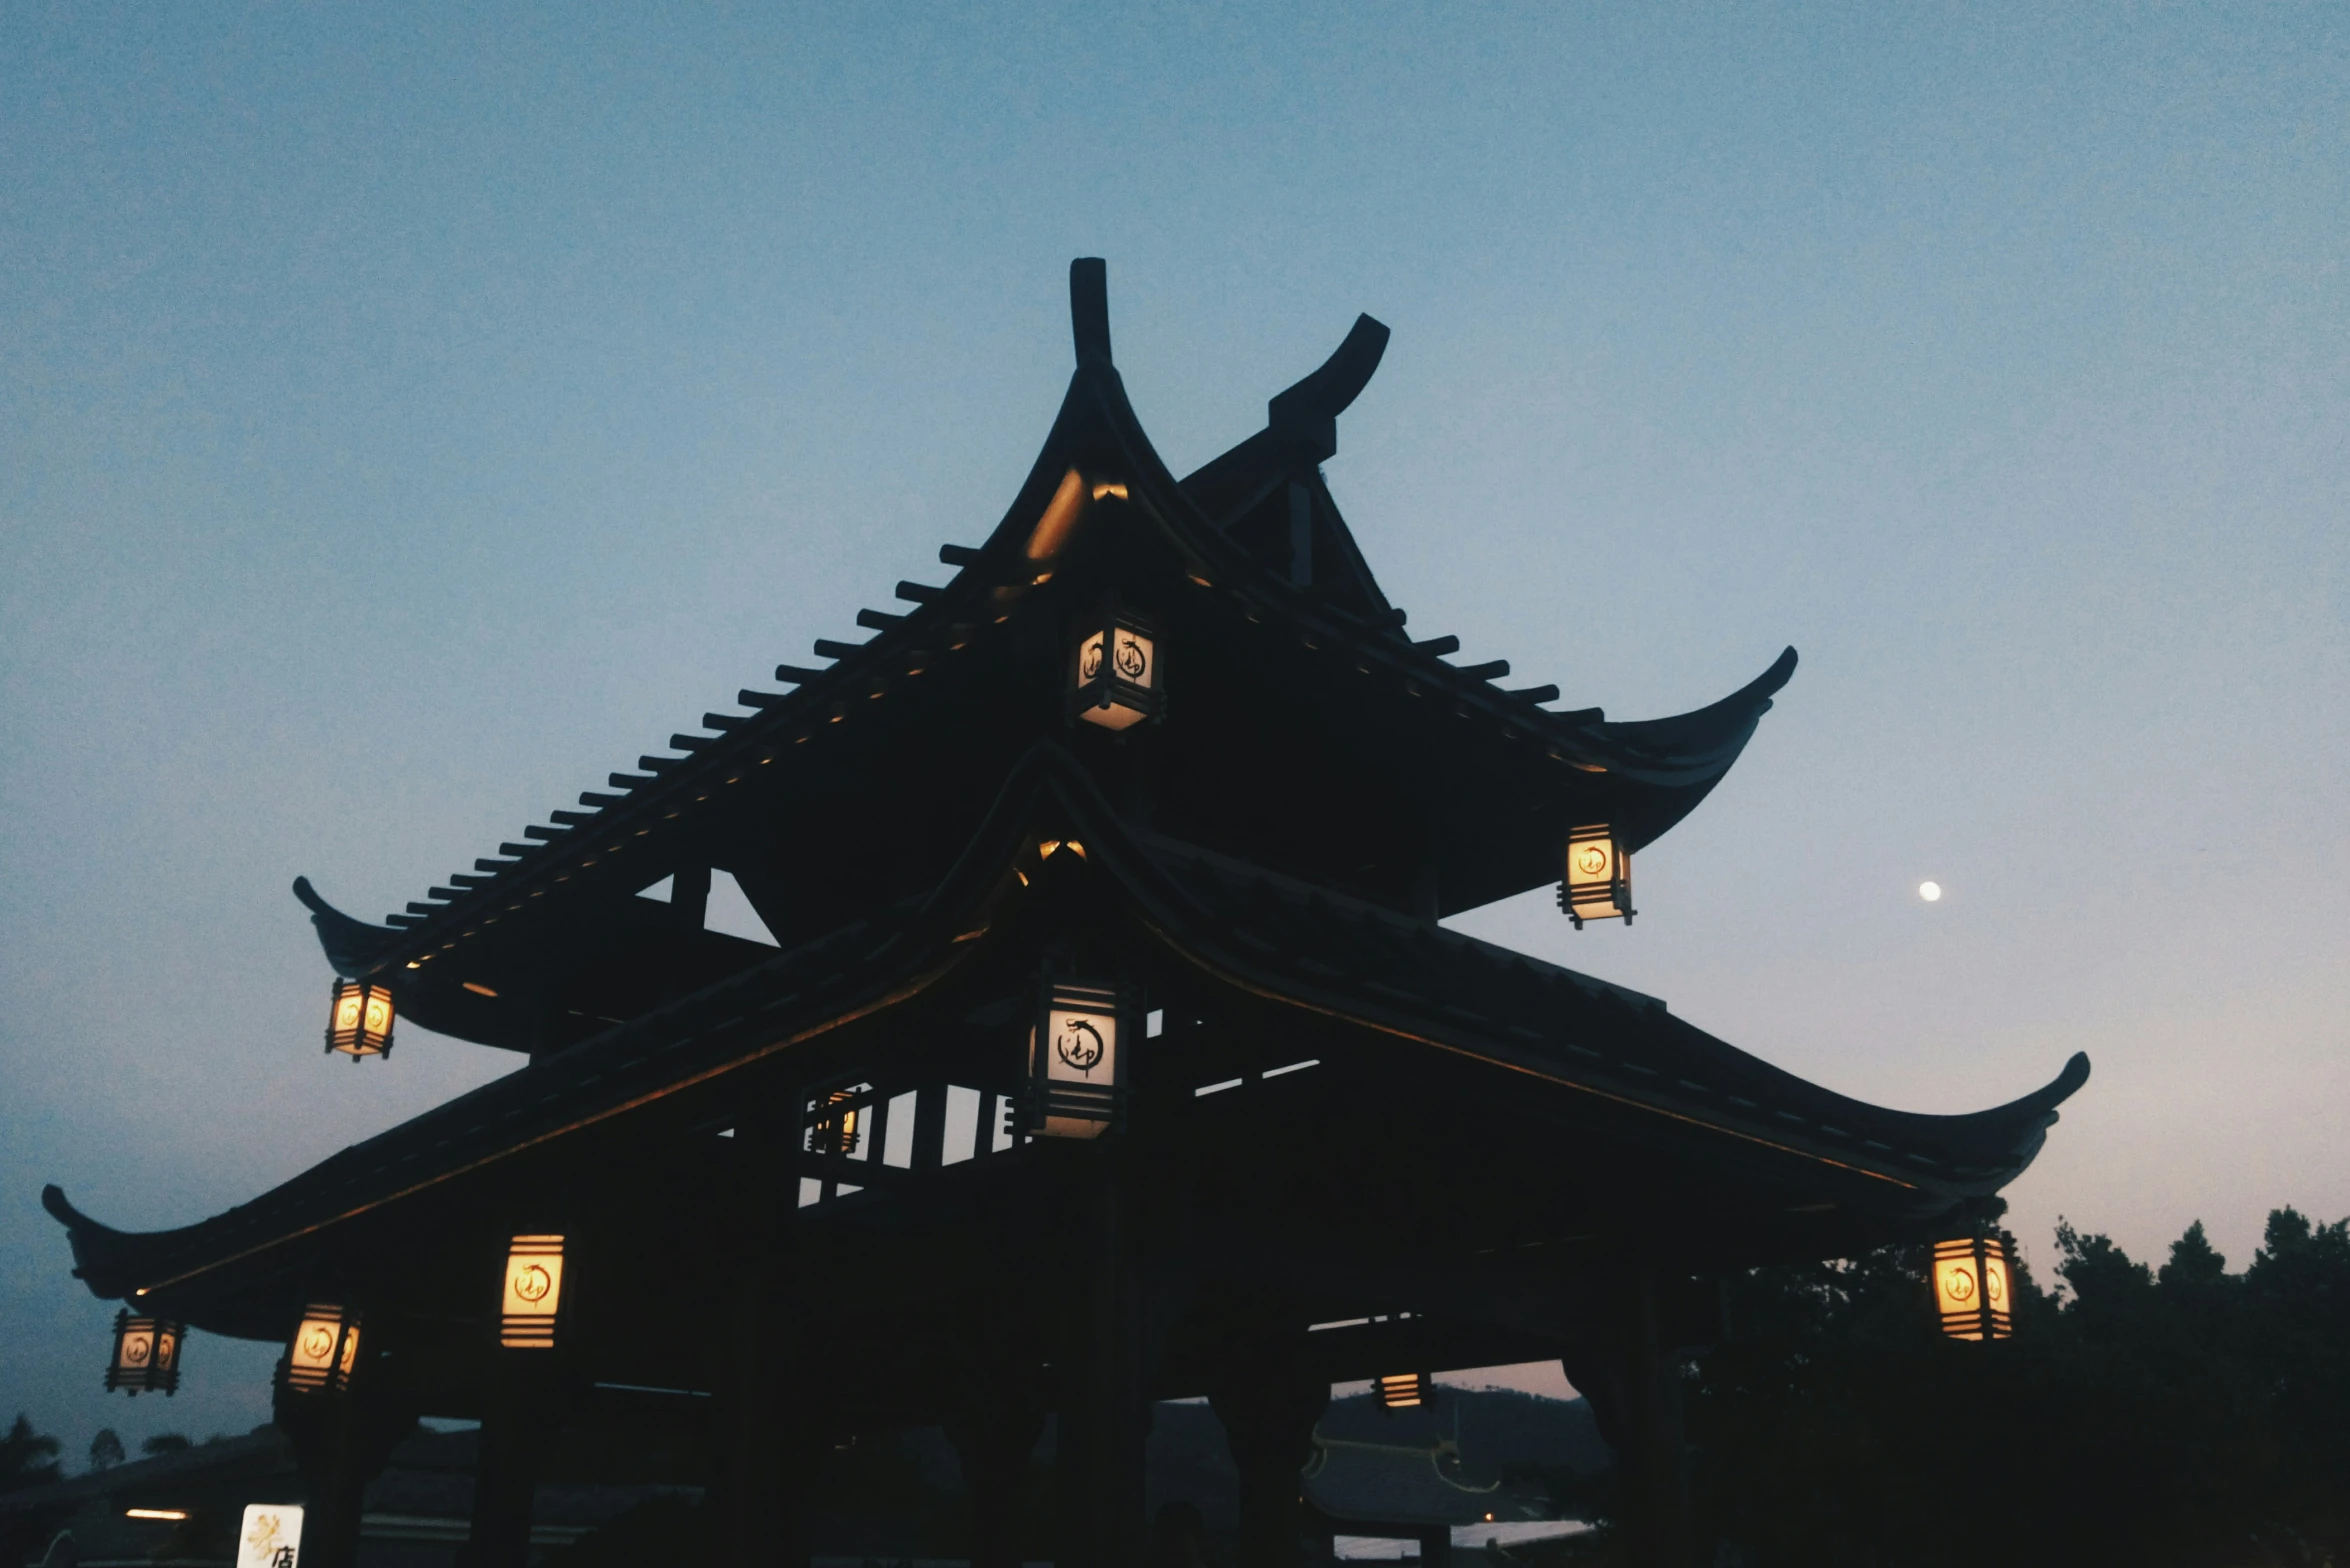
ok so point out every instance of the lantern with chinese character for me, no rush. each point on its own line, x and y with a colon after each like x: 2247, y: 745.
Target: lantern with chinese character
x: 1403, y: 1390
x: 1971, y: 1287
x: 1114, y: 671
x: 146, y: 1355
x: 324, y: 1351
x: 1076, y: 1070
x: 361, y: 1021
x: 534, y: 1293
x: 1598, y: 882
x: 270, y: 1536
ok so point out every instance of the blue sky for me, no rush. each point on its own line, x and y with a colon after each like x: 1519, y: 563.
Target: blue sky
x: 408, y: 415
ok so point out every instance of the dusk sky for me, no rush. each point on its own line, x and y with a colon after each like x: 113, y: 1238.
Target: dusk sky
x: 408, y: 416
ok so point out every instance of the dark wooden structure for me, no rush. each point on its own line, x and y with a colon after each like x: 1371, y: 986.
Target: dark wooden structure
x: 1336, y: 1108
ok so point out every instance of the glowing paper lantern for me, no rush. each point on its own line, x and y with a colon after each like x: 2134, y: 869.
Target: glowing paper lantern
x: 534, y: 1293
x: 360, y: 1022
x: 1077, y: 1070
x: 1598, y: 880
x: 146, y: 1355
x: 324, y: 1351
x: 1114, y: 678
x: 1971, y: 1287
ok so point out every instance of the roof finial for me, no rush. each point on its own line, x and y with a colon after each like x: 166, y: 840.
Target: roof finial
x: 1089, y: 310
x: 1307, y: 413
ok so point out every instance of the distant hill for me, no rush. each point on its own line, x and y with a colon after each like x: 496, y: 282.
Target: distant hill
x: 1496, y: 1428
x: 1498, y: 1431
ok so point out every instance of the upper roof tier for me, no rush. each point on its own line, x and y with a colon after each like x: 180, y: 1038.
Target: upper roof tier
x: 1306, y: 734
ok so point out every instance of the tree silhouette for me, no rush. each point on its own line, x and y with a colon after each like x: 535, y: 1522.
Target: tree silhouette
x: 2186, y: 1416
x: 105, y: 1449
x: 27, y: 1458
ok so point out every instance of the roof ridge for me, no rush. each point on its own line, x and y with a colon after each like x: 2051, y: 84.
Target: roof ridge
x: 1407, y: 924
x: 1094, y: 424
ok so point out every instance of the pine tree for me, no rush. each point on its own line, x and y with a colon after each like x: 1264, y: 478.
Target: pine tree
x: 27, y: 1458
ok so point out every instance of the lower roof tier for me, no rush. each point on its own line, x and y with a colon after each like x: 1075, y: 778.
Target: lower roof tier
x: 1463, y: 1097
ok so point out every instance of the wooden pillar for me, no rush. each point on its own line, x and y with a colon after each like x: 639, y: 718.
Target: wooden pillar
x: 1622, y: 1363
x: 1104, y: 1408
x: 1268, y: 1399
x: 766, y: 1436
x: 689, y: 896
x: 997, y: 1416
x: 323, y: 1430
x: 340, y: 1441
x: 1436, y: 1546
x: 506, y: 1463
x: 1658, y: 1472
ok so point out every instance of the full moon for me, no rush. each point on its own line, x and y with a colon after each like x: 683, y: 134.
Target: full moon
x: 1929, y: 891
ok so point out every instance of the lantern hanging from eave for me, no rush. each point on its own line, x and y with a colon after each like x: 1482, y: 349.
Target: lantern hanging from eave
x: 1404, y: 1390
x: 360, y: 1022
x: 835, y: 1121
x: 1971, y: 1287
x: 1076, y: 1061
x: 533, y: 1293
x: 324, y: 1352
x: 1114, y: 675
x: 1598, y: 880
x: 146, y: 1355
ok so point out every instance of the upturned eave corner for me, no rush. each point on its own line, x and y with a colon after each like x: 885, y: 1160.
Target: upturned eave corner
x: 1201, y: 907
x: 1096, y: 445
x: 91, y: 1242
x: 353, y: 947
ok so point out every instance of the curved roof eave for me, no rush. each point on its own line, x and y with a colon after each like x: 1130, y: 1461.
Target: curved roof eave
x: 1096, y: 425
x: 861, y: 970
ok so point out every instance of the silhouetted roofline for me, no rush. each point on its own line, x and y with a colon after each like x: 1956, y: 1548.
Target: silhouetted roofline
x: 1676, y: 759
x: 1286, y: 942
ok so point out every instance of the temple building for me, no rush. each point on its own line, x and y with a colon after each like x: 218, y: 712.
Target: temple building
x: 1111, y: 1050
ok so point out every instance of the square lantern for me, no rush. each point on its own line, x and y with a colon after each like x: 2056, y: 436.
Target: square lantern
x: 1404, y: 1390
x: 1598, y: 882
x: 1114, y: 671
x: 146, y: 1355
x: 534, y: 1293
x: 836, y: 1121
x: 1076, y: 1069
x: 324, y: 1351
x: 360, y: 1023
x: 1970, y: 1287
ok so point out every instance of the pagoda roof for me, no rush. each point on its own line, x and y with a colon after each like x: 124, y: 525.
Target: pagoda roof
x: 1209, y: 531
x: 1540, y: 1032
